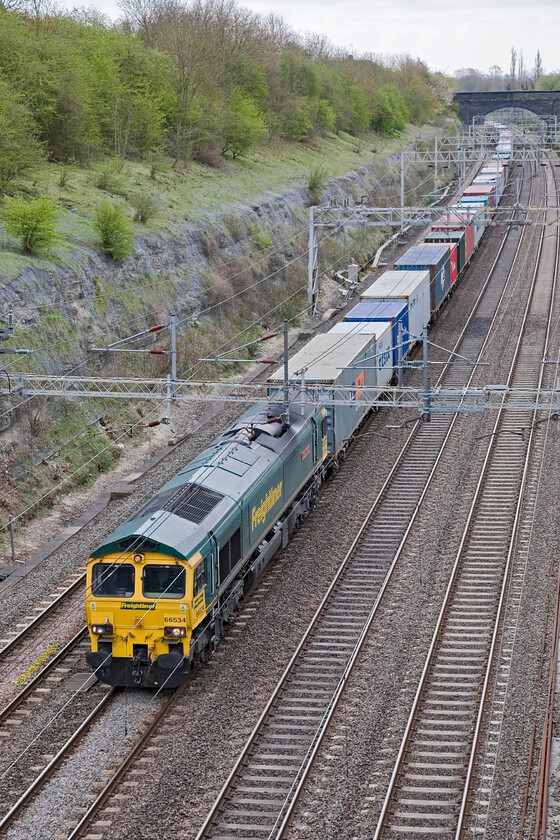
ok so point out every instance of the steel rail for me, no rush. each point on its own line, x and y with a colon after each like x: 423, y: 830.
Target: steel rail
x: 99, y: 801
x: 304, y: 769
x: 38, y: 619
x: 509, y: 560
x: 447, y: 597
x: 342, y: 684
x: 50, y: 665
x: 45, y: 774
x: 541, y: 819
x: 121, y: 771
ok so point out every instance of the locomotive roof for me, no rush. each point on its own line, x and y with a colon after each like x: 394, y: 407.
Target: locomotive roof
x: 176, y: 521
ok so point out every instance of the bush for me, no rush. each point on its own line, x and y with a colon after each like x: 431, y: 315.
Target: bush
x: 145, y: 206
x: 262, y: 239
x: 316, y: 182
x: 115, y: 229
x: 33, y: 222
x: 108, y: 178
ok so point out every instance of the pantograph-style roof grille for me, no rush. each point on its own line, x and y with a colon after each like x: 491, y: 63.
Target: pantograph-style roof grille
x: 191, y: 502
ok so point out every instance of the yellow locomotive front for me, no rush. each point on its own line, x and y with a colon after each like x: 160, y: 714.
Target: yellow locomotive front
x: 141, y: 609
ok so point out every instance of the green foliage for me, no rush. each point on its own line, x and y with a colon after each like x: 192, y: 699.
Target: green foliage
x: 145, y: 205
x: 297, y: 122
x: 32, y: 222
x: 192, y: 79
x: 19, y: 148
x: 262, y: 239
x: 109, y: 177
x: 243, y: 126
x: 549, y: 82
x: 316, y: 182
x: 322, y: 115
x: 390, y: 113
x: 115, y: 229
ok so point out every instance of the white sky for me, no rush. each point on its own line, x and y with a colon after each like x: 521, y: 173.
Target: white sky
x: 446, y: 34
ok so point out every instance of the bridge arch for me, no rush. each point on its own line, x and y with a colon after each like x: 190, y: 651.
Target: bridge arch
x: 540, y: 102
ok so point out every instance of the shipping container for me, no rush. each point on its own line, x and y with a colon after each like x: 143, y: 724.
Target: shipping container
x: 393, y: 310
x: 478, y: 213
x: 485, y: 190
x: 414, y: 287
x: 458, y: 224
x: 456, y: 236
x: 383, y: 332
x: 453, y: 263
x: 342, y: 366
x: 434, y: 258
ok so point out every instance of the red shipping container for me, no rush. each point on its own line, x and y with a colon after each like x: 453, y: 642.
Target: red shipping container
x: 452, y: 262
x: 481, y: 189
x: 452, y: 257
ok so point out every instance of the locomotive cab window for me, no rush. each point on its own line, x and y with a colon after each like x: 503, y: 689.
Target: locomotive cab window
x: 113, y: 579
x: 199, y: 581
x: 324, y: 427
x: 163, y: 582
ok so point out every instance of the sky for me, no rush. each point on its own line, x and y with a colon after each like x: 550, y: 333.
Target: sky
x: 446, y: 34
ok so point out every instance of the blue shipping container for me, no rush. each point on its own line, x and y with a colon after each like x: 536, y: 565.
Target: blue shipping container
x: 394, y: 311
x: 436, y: 260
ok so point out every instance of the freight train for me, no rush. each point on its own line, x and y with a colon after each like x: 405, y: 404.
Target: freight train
x: 163, y: 585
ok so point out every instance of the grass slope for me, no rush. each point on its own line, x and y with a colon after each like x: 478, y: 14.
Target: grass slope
x: 191, y: 194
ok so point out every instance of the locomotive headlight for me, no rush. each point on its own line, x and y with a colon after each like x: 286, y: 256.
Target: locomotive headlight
x: 174, y: 632
x: 102, y: 629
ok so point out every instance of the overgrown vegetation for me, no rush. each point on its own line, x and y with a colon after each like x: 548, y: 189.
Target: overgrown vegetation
x: 115, y: 230
x: 32, y: 222
x: 316, y: 182
x: 188, y: 79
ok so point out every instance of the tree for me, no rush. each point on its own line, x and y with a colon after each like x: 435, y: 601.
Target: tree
x: 243, y: 126
x: 538, y: 69
x: 513, y: 68
x: 115, y: 230
x: 19, y: 147
x: 390, y: 113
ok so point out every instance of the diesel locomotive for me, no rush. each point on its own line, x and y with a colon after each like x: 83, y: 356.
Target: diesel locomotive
x: 163, y: 584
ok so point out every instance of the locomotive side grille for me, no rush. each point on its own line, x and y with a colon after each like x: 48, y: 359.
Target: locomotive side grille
x: 191, y: 502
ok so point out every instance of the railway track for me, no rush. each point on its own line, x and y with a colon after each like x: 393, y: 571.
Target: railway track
x: 43, y: 777
x: 429, y: 790
x: 32, y: 684
x: 46, y: 608
x: 330, y: 662
x: 258, y: 798
x: 264, y: 786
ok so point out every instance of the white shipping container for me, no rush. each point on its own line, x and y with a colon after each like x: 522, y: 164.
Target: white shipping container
x: 414, y: 286
x: 383, y: 332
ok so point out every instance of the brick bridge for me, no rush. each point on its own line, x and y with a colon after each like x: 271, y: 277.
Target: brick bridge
x: 540, y: 102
